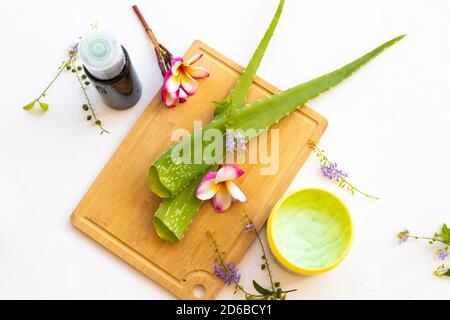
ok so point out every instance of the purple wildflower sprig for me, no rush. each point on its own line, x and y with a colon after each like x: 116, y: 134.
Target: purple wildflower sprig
x: 227, y: 272
x: 234, y: 141
x: 331, y: 171
x: 230, y: 275
x: 442, y: 253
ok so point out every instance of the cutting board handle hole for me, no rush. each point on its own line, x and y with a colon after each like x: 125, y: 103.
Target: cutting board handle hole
x: 199, y: 291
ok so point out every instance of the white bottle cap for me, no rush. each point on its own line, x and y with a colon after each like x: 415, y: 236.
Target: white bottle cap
x: 102, y: 55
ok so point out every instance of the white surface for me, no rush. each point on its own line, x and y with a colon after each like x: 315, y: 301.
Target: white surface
x: 388, y: 125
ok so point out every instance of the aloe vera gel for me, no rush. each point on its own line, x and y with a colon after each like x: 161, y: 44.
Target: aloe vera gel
x: 310, y: 231
x: 108, y: 66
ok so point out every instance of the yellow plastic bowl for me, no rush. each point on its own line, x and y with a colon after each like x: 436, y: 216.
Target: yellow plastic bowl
x: 317, y: 221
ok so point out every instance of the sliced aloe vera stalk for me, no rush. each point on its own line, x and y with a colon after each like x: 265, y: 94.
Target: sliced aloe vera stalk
x: 262, y: 114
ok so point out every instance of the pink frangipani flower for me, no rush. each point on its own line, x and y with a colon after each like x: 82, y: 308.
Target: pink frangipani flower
x: 219, y: 187
x: 179, y: 81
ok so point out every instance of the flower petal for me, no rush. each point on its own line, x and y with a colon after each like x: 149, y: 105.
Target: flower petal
x: 171, y: 82
x: 183, y: 94
x: 196, y: 72
x: 235, y: 192
x: 188, y: 83
x: 221, y: 200
x: 170, y: 99
x: 176, y: 64
x: 194, y: 59
x: 228, y: 172
x: 207, y: 188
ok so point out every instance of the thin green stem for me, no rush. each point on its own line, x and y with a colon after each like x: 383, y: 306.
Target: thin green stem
x: 326, y: 162
x: 238, y: 286
x: 359, y: 191
x: 266, y: 261
x: 88, y: 101
x: 264, y: 256
x: 67, y: 63
x: 426, y: 238
x: 216, y: 249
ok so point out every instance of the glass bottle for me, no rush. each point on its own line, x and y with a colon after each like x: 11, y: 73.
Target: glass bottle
x: 108, y: 66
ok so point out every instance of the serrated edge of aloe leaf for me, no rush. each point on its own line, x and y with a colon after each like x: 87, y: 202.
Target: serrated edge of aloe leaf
x: 239, y: 94
x: 266, y: 112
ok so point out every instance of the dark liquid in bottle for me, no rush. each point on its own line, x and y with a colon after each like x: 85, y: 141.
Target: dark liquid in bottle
x: 121, y: 92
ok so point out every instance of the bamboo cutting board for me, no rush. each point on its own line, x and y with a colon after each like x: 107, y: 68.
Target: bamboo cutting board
x: 118, y: 208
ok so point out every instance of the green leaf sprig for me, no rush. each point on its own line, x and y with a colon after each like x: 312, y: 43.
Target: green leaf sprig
x: 44, y: 106
x: 87, y: 106
x: 71, y: 65
x: 441, y: 239
x: 330, y: 170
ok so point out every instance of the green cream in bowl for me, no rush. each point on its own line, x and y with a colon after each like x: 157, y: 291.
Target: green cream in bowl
x: 310, y: 231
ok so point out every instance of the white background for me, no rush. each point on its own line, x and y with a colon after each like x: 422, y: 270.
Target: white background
x: 388, y: 126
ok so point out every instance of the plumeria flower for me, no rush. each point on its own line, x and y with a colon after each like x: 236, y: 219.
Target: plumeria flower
x: 179, y: 81
x: 219, y: 187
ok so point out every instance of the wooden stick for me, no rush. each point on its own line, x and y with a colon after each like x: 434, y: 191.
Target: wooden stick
x: 146, y: 27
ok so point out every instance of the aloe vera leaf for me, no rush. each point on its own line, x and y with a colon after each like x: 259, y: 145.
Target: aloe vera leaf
x: 264, y: 113
x: 167, y: 185
x: 259, y: 115
x: 239, y: 94
x: 167, y: 178
x: 175, y: 214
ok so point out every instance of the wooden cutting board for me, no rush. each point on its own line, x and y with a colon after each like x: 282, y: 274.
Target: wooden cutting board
x: 118, y: 208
